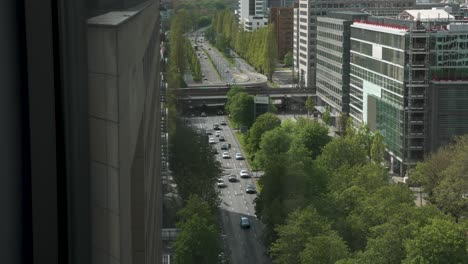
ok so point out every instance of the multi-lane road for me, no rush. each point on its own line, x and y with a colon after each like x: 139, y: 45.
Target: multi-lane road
x: 219, y: 70
x: 243, y: 246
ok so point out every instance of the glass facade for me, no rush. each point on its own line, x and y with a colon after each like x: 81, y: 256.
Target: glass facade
x: 378, y: 74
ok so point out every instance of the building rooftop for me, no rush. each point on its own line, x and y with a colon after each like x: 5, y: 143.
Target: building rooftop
x: 426, y: 15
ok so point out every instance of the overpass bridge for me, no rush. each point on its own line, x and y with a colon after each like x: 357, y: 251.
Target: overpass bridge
x: 216, y: 96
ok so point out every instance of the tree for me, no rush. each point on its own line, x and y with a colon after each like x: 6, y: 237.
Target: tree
x: 274, y: 145
x: 263, y: 123
x: 327, y: 117
x: 311, y: 135
x: 310, y: 104
x: 324, y: 249
x: 443, y: 176
x: 197, y: 241
x: 288, y: 59
x: 194, y: 167
x: 241, y: 108
x: 377, y: 147
x: 300, y: 226
x: 442, y: 241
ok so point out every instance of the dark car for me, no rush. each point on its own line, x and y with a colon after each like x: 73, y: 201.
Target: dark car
x: 250, y: 189
x: 224, y: 147
x: 244, y: 222
x: 232, y: 178
x: 223, y: 123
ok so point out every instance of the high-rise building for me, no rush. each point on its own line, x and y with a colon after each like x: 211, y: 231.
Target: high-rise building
x: 124, y: 134
x: 252, y: 14
x: 281, y: 3
x: 333, y: 50
x: 282, y: 18
x: 309, y: 10
x: 295, y: 50
x: 409, y: 80
x: 80, y: 167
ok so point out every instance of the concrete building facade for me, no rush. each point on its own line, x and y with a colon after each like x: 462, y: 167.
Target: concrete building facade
x: 409, y: 81
x: 333, y: 50
x: 283, y: 20
x: 124, y: 132
x: 308, y: 12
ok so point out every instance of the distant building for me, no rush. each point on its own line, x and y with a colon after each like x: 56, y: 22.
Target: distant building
x: 281, y: 3
x: 295, y: 50
x: 308, y: 12
x: 282, y: 19
x: 252, y: 14
x: 409, y: 80
x: 333, y: 50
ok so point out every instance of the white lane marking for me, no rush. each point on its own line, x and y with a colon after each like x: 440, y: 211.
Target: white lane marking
x: 246, y: 208
x: 235, y: 193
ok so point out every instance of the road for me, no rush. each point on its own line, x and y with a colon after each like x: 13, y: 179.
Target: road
x: 220, y: 71
x: 243, y: 245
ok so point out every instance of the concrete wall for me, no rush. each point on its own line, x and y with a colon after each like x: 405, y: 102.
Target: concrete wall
x: 124, y: 95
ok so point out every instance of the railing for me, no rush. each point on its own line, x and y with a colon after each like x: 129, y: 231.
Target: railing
x: 169, y: 233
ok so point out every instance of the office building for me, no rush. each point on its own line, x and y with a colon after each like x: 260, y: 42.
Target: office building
x: 124, y: 127
x: 282, y: 19
x: 333, y: 50
x: 409, y: 80
x: 281, y: 3
x: 81, y: 100
x: 252, y: 14
x: 308, y: 12
x: 295, y: 50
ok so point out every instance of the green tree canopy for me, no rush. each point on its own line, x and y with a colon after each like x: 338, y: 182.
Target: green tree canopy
x: 327, y: 116
x: 197, y: 241
x: 302, y: 226
x: 324, y: 249
x: 195, y: 168
x: 288, y: 59
x: 241, y: 107
x: 310, y: 104
x: 442, y: 241
x: 262, y: 124
x: 443, y: 176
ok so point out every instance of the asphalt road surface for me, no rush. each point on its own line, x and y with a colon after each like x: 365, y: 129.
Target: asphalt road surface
x: 243, y: 245
x: 221, y: 71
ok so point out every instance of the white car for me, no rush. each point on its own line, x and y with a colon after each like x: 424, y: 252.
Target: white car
x: 239, y: 156
x: 221, y: 183
x: 226, y: 155
x: 244, y: 174
x: 211, y: 141
x: 218, y: 133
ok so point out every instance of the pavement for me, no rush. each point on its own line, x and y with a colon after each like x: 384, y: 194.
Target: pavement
x: 243, y: 246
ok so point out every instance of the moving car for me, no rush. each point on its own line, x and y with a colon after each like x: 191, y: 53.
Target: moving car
x: 244, y: 174
x: 250, y: 189
x: 226, y: 155
x: 211, y: 141
x: 239, y: 156
x: 216, y: 126
x: 232, y: 178
x: 221, y: 138
x: 244, y: 222
x: 223, y: 122
x: 218, y: 133
x: 221, y: 183
x: 224, y: 147
x: 203, y: 114
x: 209, y: 132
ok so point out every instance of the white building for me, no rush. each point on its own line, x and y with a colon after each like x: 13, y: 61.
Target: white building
x: 252, y: 14
x: 307, y: 30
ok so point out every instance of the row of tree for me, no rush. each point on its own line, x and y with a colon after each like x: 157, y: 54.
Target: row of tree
x: 329, y: 200
x: 194, y: 63
x: 259, y: 47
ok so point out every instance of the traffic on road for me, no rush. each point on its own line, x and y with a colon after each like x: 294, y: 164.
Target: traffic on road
x: 241, y: 229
